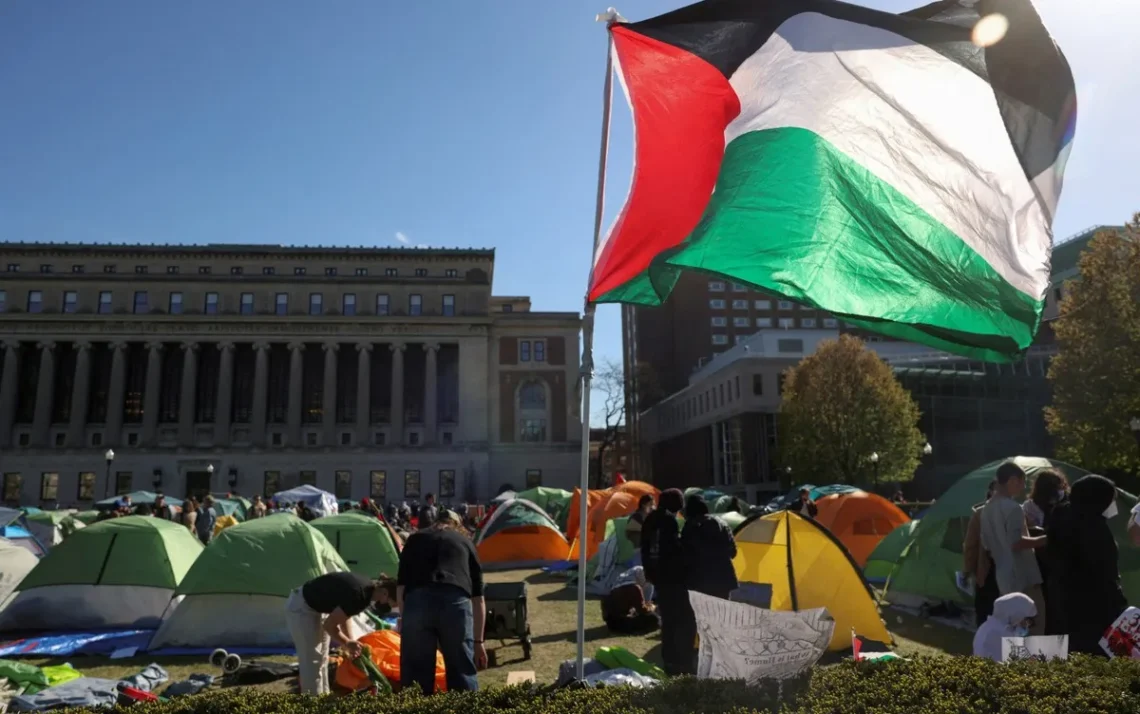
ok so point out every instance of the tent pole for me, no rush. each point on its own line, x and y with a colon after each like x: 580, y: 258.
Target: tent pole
x: 587, y: 367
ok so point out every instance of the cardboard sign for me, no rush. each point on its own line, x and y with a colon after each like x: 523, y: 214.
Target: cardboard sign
x: 1122, y: 639
x: 1043, y: 648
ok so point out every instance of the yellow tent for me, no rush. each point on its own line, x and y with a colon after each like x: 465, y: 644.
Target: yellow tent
x: 808, y: 568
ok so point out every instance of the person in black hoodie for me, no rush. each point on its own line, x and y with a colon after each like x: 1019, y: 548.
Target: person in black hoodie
x: 664, y: 567
x: 1084, y: 581
x: 708, y: 549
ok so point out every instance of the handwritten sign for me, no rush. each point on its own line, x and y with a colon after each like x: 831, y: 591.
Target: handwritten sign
x: 1122, y: 639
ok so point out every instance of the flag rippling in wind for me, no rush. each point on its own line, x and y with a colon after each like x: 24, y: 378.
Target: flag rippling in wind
x: 896, y: 170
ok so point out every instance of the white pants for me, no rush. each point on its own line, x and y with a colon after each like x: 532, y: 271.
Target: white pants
x: 306, y: 627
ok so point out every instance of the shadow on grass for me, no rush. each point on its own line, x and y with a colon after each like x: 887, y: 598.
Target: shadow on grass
x: 928, y: 635
x: 592, y: 633
x: 565, y: 594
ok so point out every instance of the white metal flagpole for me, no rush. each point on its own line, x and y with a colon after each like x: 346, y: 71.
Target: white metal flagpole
x: 587, y: 369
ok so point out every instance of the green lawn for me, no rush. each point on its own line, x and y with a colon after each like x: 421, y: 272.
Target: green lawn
x: 553, y: 621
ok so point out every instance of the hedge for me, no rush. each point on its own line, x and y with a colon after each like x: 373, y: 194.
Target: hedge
x: 947, y: 685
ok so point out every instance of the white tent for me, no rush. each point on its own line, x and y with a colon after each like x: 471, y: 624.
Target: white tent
x: 15, y: 563
x: 319, y: 502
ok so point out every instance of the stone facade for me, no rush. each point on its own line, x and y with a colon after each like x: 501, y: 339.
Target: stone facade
x: 382, y: 373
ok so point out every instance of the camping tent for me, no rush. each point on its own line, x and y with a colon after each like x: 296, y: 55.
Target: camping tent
x: 882, y: 561
x: 620, y: 501
x: 554, y: 501
x: 51, y: 527
x: 807, y: 567
x: 816, y: 493
x: 15, y: 564
x: 926, y: 570
x: 235, y: 593
x: 367, y: 546
x: 322, y: 503
x: 86, y: 517
x: 138, y: 498
x: 235, y: 506
x: 121, y: 572
x: 15, y: 527
x: 732, y: 519
x: 573, y: 512
x: 859, y: 520
x: 522, y: 534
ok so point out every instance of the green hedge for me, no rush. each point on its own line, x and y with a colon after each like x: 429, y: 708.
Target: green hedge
x: 945, y: 685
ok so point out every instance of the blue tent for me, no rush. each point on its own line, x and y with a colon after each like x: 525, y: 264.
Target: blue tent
x: 14, y: 527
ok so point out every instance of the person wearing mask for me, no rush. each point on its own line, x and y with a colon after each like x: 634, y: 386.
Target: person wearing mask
x: 805, y: 506
x: 978, y: 563
x: 637, y: 520
x: 662, y: 559
x: 440, y: 598
x: 1085, y: 577
x: 319, y: 611
x: 257, y: 509
x: 429, y: 514
x: 1050, y: 489
x: 1012, y: 617
x: 162, y: 508
x: 1005, y: 535
x: 207, y: 518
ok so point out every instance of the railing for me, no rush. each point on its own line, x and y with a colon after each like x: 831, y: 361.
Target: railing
x: 1079, y: 234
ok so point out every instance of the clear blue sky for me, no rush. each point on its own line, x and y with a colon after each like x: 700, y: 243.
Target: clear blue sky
x: 452, y: 123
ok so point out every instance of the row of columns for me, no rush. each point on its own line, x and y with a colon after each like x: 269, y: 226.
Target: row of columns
x: 76, y: 435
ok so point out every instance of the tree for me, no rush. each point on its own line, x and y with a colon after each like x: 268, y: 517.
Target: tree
x: 840, y: 406
x: 610, y: 383
x: 1096, y: 373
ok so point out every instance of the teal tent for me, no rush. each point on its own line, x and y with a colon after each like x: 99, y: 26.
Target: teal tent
x: 886, y: 554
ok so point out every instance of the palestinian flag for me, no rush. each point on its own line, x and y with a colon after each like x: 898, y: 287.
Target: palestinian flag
x: 899, y: 171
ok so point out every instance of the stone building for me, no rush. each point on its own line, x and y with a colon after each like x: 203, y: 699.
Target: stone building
x: 214, y: 368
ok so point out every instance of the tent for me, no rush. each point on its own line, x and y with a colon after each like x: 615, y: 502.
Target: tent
x: 235, y: 594
x: 620, y: 501
x: 554, y: 501
x: 119, y: 573
x: 859, y: 520
x: 732, y: 519
x: 807, y: 567
x: 367, y: 546
x: 86, y: 517
x: 138, y: 498
x: 522, y: 534
x: 816, y: 493
x: 573, y: 512
x: 926, y: 570
x: 51, y: 527
x: 232, y: 506
x: 883, y: 559
x: 15, y: 527
x: 15, y: 563
x: 320, y: 502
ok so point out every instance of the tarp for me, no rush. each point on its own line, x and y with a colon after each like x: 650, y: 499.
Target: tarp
x: 859, y: 520
x: 882, y: 561
x: 807, y: 568
x: 322, y: 503
x: 103, y: 642
x: 366, y: 545
x: 138, y: 498
x: 520, y: 532
x: 554, y: 501
x: 15, y: 527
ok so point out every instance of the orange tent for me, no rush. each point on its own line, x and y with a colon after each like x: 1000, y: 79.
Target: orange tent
x: 592, y: 498
x: 859, y: 520
x: 520, y: 532
x: 620, y: 501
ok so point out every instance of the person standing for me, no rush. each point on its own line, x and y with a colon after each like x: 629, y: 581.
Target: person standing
x: 805, y: 506
x: 978, y: 563
x: 637, y: 520
x: 257, y: 510
x: 1005, y: 535
x: 162, y: 508
x: 1084, y: 581
x: 190, y: 515
x: 318, y: 612
x: 708, y: 548
x: 1049, y: 489
x: 429, y: 514
x: 207, y: 518
x: 440, y: 597
x: 662, y: 559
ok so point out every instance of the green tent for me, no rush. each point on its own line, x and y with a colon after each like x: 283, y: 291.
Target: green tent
x: 363, y: 541
x: 236, y: 507
x: 732, y: 519
x: 86, y: 517
x: 116, y: 573
x: 138, y: 498
x: 51, y: 527
x: 554, y: 501
x: 927, y: 566
x: 615, y: 528
x: 886, y: 554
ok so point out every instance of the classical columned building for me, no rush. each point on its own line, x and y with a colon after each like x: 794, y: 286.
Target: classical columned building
x: 381, y: 373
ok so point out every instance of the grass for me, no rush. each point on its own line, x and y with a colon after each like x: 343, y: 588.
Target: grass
x: 553, y: 621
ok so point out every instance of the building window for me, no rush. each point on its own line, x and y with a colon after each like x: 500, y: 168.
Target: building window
x: 282, y: 303
x: 763, y: 322
x: 311, y: 439
x: 203, y: 270
x: 414, y: 439
x: 446, y: 438
x: 141, y: 301
x: 757, y: 384
x: 762, y: 304
x: 105, y: 302
x: 211, y: 307
x: 298, y: 271
x: 308, y: 478
x: 35, y: 301
x: 787, y: 322
x: 411, y: 484
x: 316, y: 303
x: 330, y: 272
x: 378, y: 485
x: 175, y: 304
x: 391, y: 272
x: 271, y: 483
x: 738, y: 288
x: 508, y: 308
x: 719, y: 321
x: 716, y: 304
x: 13, y: 487
x: 720, y: 339
x: 421, y: 272
x: 524, y: 350
x: 348, y: 304
x: 13, y: 267
x: 342, y: 487
x: 45, y: 268
x: 447, y: 483
x: 140, y: 270
x: 793, y: 346
x: 451, y: 273
x: 415, y: 304
x: 269, y: 270
x: 172, y: 270
x: 124, y: 480
x: 49, y: 486
x: 237, y: 270
x: 737, y: 339
x: 785, y: 305
x: 533, y: 478
x: 108, y: 268
x: 540, y: 350
x: 247, y: 303
x: 86, y: 486
x: 716, y: 286
x: 532, y: 412
x: 830, y: 322
x: 77, y: 269
x: 448, y: 305
x: 382, y: 303
x: 24, y: 439
x: 346, y: 438
x: 70, y: 301
x: 380, y: 438
x: 739, y: 304
x: 360, y: 272
x: 808, y: 322
x: 741, y: 322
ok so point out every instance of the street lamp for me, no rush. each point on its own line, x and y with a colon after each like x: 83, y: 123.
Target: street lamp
x: 788, y: 471
x: 875, y: 463
x: 928, y: 449
x: 110, y: 457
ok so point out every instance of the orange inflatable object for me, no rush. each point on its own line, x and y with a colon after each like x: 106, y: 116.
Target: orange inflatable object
x: 592, y: 498
x: 859, y: 520
x: 620, y: 501
x: 385, y: 645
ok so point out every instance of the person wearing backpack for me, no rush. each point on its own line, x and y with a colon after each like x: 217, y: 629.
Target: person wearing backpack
x: 207, y: 517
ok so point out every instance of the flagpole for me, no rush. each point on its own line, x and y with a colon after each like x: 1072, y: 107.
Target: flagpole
x: 587, y: 367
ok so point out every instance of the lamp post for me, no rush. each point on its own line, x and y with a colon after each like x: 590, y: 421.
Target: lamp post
x: 788, y: 471
x: 110, y: 457
x: 875, y: 463
x: 210, y: 470
x: 928, y: 449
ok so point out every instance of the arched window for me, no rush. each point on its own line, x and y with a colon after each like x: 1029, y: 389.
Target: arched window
x: 532, y: 412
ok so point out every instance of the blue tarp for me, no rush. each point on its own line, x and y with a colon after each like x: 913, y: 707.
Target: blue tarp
x: 74, y: 643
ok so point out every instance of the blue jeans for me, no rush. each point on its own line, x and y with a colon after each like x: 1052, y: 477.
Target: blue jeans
x: 437, y: 617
